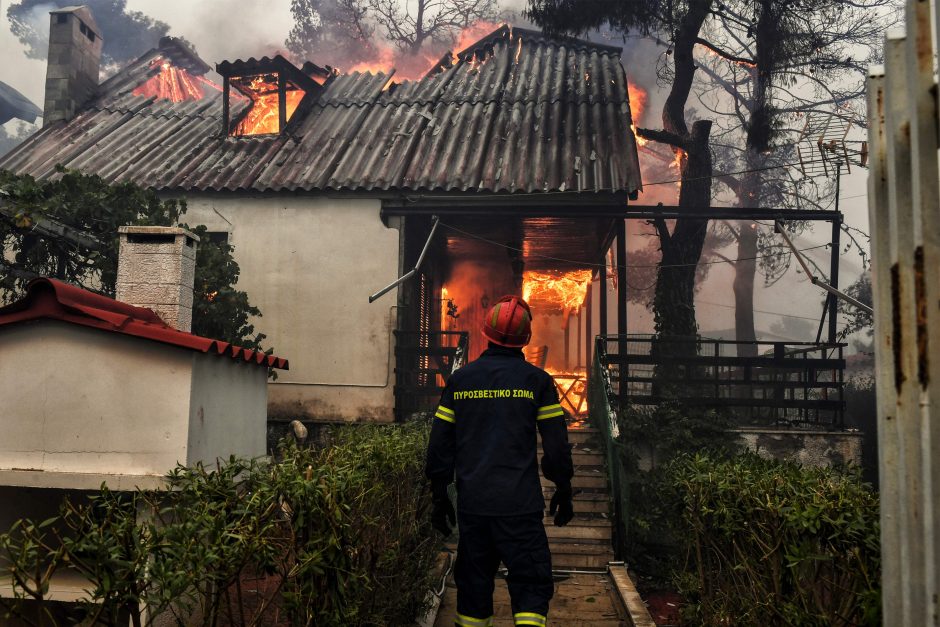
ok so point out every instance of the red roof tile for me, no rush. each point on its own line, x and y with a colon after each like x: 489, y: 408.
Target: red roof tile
x: 54, y: 300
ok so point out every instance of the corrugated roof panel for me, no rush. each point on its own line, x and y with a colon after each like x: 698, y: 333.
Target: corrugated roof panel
x: 327, y: 134
x: 517, y: 112
x: 354, y: 89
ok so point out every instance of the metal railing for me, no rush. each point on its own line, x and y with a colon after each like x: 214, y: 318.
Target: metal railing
x: 788, y: 384
x: 602, y: 415
x: 423, y: 363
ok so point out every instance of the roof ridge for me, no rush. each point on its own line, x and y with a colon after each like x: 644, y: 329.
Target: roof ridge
x: 507, y: 31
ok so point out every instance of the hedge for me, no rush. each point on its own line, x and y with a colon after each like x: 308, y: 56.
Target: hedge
x: 775, y: 543
x: 339, y: 536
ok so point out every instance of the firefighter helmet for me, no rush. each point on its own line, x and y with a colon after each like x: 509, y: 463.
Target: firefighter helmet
x: 509, y: 322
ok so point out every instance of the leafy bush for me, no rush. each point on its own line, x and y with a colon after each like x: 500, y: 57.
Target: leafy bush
x: 775, y: 543
x: 651, y: 438
x: 88, y: 205
x: 334, y: 537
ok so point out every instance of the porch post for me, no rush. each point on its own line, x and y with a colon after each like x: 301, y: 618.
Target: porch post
x: 587, y: 334
x: 577, y: 363
x: 603, y: 294
x: 622, y: 309
x: 834, y: 273
x: 568, y: 341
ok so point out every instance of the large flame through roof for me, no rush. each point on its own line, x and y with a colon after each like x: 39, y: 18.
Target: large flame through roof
x: 173, y: 83
x: 413, y: 66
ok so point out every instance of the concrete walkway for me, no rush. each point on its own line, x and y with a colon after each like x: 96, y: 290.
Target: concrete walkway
x: 580, y: 601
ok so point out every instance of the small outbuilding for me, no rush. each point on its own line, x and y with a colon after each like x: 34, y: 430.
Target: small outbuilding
x: 98, y: 390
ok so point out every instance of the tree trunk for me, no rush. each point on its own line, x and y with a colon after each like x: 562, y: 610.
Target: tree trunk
x: 674, y: 302
x: 757, y: 143
x: 745, y: 271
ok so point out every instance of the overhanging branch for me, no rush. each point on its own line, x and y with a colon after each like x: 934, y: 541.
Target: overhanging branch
x: 663, y: 137
x: 50, y: 228
x: 725, y: 55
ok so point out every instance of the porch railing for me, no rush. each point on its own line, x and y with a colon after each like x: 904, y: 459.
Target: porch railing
x: 788, y: 384
x: 602, y: 414
x: 784, y: 384
x: 423, y: 363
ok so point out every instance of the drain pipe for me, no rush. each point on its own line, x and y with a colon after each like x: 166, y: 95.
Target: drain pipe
x: 417, y: 267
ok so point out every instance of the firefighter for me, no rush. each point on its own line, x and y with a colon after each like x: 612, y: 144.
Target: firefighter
x: 485, y: 430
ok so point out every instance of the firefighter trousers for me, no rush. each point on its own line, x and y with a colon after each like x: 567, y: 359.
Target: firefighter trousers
x: 521, y: 544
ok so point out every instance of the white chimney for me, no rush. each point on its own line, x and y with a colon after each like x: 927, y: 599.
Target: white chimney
x: 156, y: 270
x: 74, y: 61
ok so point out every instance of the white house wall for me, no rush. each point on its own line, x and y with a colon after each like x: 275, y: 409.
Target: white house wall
x: 79, y: 400
x: 227, y: 411
x: 309, y: 264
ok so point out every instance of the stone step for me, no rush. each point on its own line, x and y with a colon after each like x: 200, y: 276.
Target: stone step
x: 583, y: 436
x: 595, y: 507
x: 587, y: 459
x: 582, y: 457
x: 595, y: 480
x: 595, y: 501
x: 583, y: 554
x: 581, y: 530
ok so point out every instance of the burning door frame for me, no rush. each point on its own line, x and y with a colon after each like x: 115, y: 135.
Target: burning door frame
x: 554, y: 243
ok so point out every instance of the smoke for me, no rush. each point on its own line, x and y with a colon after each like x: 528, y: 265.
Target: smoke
x: 224, y: 29
x: 473, y: 287
x: 37, y: 19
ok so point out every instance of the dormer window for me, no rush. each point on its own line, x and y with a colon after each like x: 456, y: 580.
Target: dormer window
x: 262, y: 96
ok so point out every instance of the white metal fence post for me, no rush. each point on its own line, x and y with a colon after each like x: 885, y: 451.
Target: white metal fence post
x: 904, y: 324
x: 925, y: 201
x: 904, y: 208
x: 884, y: 381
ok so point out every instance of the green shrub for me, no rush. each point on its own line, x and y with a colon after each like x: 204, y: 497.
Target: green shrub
x: 774, y: 543
x: 650, y: 438
x: 334, y: 537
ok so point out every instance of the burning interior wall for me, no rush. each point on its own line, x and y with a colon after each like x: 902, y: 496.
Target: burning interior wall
x: 556, y: 298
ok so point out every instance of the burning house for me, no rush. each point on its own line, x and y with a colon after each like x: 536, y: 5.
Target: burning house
x: 504, y: 169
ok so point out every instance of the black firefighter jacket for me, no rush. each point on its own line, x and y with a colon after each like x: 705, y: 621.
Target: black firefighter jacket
x: 484, y: 429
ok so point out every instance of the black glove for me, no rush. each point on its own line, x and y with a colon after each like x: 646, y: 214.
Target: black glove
x: 442, y: 513
x: 443, y: 509
x: 562, y: 504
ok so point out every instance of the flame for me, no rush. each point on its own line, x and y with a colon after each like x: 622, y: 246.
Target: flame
x: 173, y: 83
x: 572, y: 390
x: 567, y: 290
x: 677, y: 163
x: 637, y: 96
x: 263, y: 116
x: 445, y: 300
x: 414, y: 66
x: 383, y: 63
x: 475, y: 32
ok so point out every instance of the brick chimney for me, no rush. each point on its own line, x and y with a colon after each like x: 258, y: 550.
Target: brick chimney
x: 74, y: 59
x: 156, y: 270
